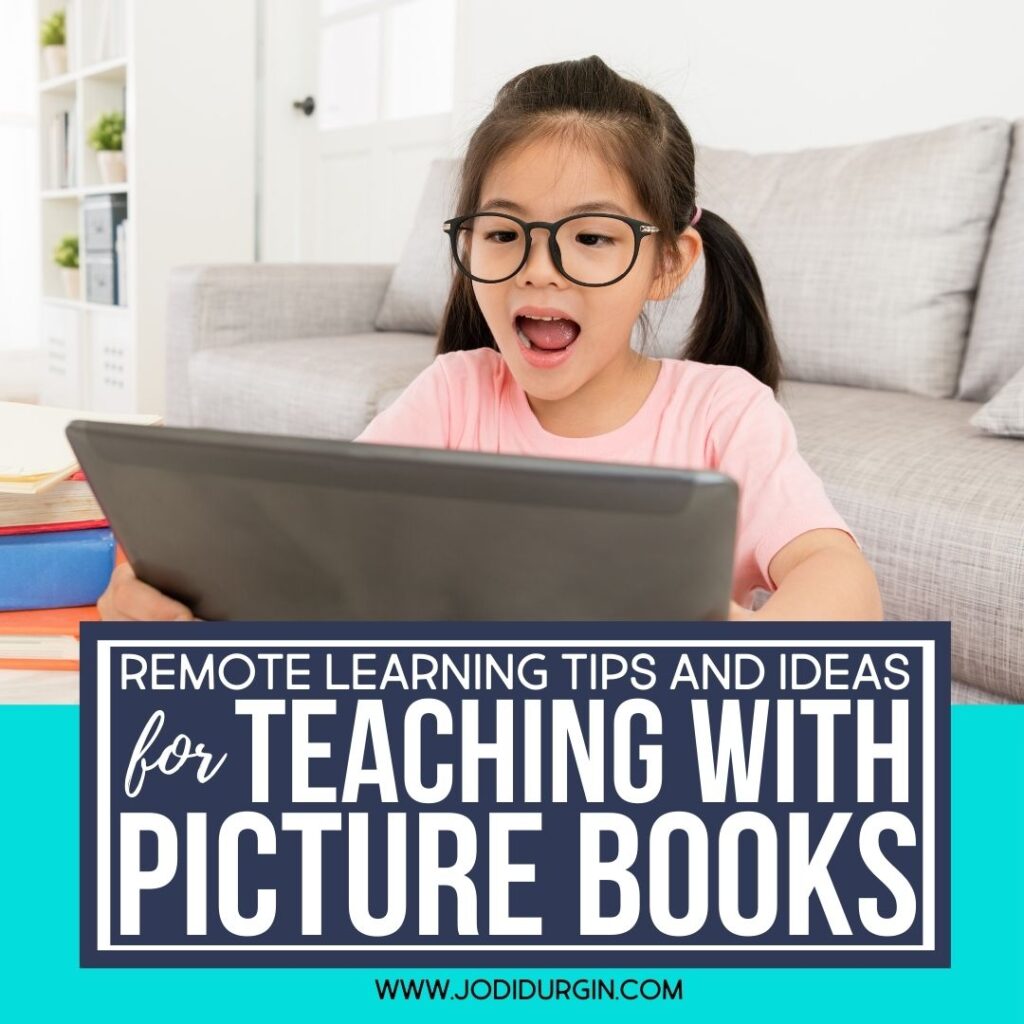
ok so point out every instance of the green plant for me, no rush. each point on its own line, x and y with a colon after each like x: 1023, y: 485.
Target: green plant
x: 66, y: 253
x: 51, y: 32
x: 108, y: 131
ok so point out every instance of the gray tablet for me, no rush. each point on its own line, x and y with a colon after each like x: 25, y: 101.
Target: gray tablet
x: 253, y: 526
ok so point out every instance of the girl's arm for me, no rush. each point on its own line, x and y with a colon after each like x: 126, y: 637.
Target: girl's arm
x: 418, y: 417
x: 790, y: 538
x: 820, y: 575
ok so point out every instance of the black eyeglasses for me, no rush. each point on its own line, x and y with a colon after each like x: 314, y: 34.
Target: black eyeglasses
x: 590, y: 249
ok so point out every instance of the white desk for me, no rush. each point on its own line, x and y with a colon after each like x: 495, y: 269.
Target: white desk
x: 24, y: 686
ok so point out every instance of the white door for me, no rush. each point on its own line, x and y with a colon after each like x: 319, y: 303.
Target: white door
x: 341, y: 183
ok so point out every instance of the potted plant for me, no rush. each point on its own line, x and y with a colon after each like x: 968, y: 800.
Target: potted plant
x: 52, y: 38
x: 107, y: 137
x: 66, y: 257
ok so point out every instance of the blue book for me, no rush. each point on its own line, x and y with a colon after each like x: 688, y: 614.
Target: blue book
x: 58, y: 569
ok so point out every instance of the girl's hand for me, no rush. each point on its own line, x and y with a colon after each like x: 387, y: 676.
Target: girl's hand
x: 737, y: 613
x: 128, y: 598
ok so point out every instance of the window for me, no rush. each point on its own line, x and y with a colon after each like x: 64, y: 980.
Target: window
x: 19, y: 209
x: 385, y: 61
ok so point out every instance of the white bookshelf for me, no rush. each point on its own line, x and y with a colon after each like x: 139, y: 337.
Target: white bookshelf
x: 182, y: 72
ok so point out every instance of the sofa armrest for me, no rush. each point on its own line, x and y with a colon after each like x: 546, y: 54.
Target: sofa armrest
x: 231, y: 304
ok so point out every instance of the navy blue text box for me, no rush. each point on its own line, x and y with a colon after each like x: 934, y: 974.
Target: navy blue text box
x: 729, y: 873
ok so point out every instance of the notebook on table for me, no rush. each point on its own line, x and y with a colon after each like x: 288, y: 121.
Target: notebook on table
x: 34, y: 452
x: 250, y: 526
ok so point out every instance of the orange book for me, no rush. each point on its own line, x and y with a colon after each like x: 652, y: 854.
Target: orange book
x: 45, y: 638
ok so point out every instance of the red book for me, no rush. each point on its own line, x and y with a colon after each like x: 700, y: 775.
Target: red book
x: 85, y: 524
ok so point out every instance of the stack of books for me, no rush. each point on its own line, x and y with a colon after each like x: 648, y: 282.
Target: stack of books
x: 57, y: 550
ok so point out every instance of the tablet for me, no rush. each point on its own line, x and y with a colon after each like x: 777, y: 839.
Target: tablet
x: 252, y: 526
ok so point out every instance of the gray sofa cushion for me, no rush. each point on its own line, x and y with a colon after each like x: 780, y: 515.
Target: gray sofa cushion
x: 214, y: 305
x: 995, y: 349
x: 312, y: 387
x: 419, y: 286
x: 938, y: 508
x: 1004, y: 414
x: 869, y: 254
x: 964, y: 693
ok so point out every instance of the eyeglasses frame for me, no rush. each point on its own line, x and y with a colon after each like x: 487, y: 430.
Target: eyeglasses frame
x: 641, y: 229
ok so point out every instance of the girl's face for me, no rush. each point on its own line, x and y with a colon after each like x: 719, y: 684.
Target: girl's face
x: 547, y: 179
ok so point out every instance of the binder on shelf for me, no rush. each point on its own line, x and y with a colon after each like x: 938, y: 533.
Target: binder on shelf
x: 70, y: 151
x: 101, y: 279
x: 101, y: 214
x: 58, y: 150
x: 121, y: 262
x: 62, y: 150
x: 54, y: 160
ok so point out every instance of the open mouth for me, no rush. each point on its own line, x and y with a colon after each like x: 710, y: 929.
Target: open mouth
x: 546, y: 333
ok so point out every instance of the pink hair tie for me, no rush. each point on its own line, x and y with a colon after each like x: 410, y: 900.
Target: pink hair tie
x: 696, y: 216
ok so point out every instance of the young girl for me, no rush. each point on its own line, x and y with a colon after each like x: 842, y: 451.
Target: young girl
x: 576, y: 207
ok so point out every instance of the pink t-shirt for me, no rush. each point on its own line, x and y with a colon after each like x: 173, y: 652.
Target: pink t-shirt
x: 697, y: 416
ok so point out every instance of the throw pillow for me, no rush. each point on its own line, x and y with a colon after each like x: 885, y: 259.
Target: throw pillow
x: 1004, y: 413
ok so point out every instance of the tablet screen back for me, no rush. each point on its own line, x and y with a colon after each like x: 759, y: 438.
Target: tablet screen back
x: 249, y: 526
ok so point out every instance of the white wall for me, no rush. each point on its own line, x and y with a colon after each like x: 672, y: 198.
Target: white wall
x: 763, y: 76
x: 760, y: 75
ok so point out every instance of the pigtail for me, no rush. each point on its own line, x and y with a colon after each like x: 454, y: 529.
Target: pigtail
x: 463, y: 325
x: 732, y: 325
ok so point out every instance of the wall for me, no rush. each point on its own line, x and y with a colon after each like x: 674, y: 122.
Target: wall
x: 762, y: 76
x: 783, y: 75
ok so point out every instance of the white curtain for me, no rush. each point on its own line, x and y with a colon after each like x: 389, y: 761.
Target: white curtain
x: 19, y: 199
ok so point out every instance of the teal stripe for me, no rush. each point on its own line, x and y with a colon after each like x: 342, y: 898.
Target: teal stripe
x: 39, y: 920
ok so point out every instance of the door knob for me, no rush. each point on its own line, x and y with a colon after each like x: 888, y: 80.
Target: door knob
x: 307, y: 106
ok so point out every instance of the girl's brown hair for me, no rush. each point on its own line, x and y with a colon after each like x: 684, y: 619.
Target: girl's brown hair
x: 587, y: 102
